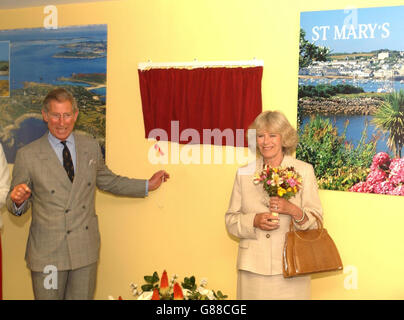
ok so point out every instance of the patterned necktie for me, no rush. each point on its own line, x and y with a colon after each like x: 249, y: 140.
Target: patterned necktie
x: 67, y: 161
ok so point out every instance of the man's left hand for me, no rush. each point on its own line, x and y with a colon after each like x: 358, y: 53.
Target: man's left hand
x: 157, y: 179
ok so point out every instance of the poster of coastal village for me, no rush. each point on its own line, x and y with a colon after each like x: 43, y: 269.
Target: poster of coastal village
x: 40, y: 60
x: 351, y: 98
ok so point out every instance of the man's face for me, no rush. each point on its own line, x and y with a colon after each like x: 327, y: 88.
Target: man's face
x: 60, y: 118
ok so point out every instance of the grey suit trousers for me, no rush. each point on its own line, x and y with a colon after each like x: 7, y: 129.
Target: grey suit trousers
x: 78, y: 284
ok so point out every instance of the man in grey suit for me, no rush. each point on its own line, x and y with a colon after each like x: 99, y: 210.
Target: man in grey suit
x: 57, y: 175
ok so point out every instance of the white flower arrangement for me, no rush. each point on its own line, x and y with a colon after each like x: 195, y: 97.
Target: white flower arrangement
x: 172, y: 290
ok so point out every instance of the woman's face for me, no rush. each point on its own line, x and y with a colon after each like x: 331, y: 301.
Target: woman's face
x: 270, y: 146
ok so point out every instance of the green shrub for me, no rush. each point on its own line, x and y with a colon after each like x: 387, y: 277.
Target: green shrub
x: 343, y: 178
x: 327, y: 90
x: 337, y: 163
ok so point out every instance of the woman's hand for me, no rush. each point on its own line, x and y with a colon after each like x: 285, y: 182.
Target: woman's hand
x: 283, y: 206
x: 266, y: 221
x: 280, y: 205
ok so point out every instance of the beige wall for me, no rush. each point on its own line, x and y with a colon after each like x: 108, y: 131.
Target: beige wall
x: 180, y: 227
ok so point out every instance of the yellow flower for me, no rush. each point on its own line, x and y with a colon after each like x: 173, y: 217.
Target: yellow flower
x: 276, y: 180
x: 281, y: 192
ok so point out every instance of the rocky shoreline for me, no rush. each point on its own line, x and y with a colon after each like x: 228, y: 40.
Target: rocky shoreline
x: 339, y: 106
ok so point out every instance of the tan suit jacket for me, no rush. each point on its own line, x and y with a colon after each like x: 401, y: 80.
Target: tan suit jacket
x: 261, y: 251
x: 64, y: 227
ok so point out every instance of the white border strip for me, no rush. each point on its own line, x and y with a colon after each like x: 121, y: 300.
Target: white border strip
x: 201, y: 64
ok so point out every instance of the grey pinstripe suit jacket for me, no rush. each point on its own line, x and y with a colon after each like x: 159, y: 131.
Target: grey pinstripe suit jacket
x: 64, y: 227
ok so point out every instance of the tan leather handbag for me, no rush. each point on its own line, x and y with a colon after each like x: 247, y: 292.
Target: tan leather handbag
x: 309, y: 251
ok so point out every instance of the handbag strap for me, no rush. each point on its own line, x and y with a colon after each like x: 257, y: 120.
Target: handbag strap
x: 319, y: 227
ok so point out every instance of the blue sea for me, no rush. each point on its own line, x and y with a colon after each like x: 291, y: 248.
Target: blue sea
x: 31, y: 60
x: 356, y: 122
x: 32, y: 51
x: 355, y: 128
x: 368, y: 85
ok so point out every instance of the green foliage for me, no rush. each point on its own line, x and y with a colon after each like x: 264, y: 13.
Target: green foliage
x: 4, y: 66
x: 362, y: 155
x: 343, y: 178
x: 90, y: 77
x: 309, y: 52
x: 326, y: 90
x: 151, y: 282
x: 189, y: 283
x: 389, y: 118
x: 194, y: 292
x: 219, y: 295
x: 320, y: 145
x: 337, y: 164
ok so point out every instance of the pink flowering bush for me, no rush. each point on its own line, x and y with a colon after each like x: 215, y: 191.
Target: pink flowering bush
x: 362, y: 187
x: 397, y: 171
x: 377, y: 175
x: 381, y: 159
x: 386, y: 176
x: 398, y: 191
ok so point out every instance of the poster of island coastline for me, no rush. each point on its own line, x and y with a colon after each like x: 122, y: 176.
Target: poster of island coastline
x: 40, y: 60
x: 351, y: 98
x: 4, y: 68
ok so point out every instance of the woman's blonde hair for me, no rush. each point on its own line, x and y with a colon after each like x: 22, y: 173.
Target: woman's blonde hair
x: 276, y: 122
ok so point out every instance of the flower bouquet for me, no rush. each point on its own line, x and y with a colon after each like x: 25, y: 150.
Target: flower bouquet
x: 279, y: 182
x: 172, y: 290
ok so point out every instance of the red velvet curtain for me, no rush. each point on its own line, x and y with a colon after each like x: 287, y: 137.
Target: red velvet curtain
x: 201, y: 98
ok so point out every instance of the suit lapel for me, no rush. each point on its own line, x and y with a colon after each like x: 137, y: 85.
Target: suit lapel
x: 79, y: 171
x: 51, y: 161
x: 81, y: 157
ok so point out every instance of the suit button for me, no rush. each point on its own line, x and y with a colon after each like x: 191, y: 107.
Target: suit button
x: 86, y: 227
x: 68, y: 231
x: 67, y: 210
x: 84, y: 207
x: 53, y: 191
x: 268, y: 235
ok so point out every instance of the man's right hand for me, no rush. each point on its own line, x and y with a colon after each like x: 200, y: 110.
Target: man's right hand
x: 20, y: 193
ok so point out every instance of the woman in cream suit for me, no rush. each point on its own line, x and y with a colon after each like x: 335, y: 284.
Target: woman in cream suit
x: 4, y: 181
x: 250, y: 217
x: 4, y: 186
